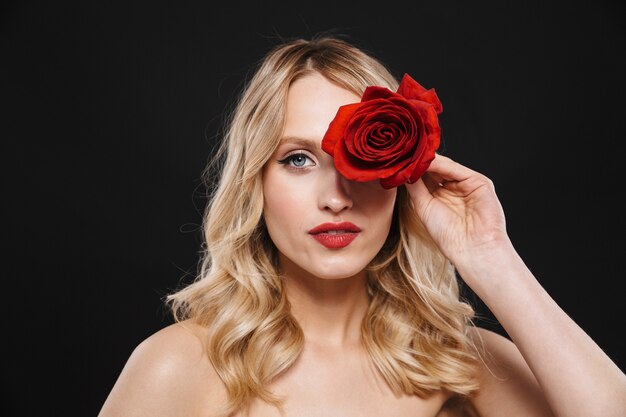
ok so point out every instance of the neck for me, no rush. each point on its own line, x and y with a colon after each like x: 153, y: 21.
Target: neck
x: 330, y: 311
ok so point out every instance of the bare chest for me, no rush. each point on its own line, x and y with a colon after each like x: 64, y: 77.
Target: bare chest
x: 345, y: 384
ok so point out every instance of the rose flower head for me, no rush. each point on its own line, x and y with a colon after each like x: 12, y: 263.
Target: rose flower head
x: 388, y: 136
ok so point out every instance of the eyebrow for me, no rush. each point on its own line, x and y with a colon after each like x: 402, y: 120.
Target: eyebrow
x: 300, y: 141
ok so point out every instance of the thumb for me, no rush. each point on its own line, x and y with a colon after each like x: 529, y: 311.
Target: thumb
x: 420, y: 196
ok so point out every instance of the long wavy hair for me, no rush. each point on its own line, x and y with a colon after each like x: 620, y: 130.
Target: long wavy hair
x: 416, y: 329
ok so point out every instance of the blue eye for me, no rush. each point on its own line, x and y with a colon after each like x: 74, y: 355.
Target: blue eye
x: 298, y: 160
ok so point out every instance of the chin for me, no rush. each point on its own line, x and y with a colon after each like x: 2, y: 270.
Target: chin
x: 333, y: 271
x: 335, y: 276
x: 325, y: 267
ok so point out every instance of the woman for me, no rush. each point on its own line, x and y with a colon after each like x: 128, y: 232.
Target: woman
x: 324, y: 295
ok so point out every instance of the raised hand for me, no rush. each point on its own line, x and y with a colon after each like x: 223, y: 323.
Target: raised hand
x: 460, y: 209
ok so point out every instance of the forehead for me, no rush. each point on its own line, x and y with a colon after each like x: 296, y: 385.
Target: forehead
x: 312, y: 103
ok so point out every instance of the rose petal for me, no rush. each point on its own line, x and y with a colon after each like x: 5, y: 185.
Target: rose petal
x: 357, y: 132
x: 430, y: 96
x: 424, y: 153
x: 336, y: 128
x: 405, y: 129
x: 431, y: 144
x: 375, y: 92
x: 352, y: 168
x: 358, y: 170
x: 397, y: 178
x: 387, y: 136
x: 411, y: 89
x: 395, y: 181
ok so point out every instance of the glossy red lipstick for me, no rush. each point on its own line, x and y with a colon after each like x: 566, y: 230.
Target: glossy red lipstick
x: 335, y: 235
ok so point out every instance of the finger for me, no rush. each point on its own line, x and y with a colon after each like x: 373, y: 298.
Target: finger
x: 448, y: 169
x: 432, y: 181
x: 420, y: 195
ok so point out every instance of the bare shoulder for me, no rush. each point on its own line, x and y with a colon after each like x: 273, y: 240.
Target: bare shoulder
x: 168, y: 373
x: 507, y: 384
x: 175, y: 352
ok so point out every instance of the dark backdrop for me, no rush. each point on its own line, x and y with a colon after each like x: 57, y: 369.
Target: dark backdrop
x: 110, y: 113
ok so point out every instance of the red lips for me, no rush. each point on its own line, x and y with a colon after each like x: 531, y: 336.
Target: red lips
x: 344, y: 226
x: 345, y: 233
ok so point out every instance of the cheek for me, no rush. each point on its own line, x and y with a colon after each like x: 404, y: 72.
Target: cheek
x: 378, y: 205
x: 376, y: 201
x: 283, y: 205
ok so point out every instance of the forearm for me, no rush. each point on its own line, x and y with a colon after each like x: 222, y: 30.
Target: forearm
x: 576, y: 376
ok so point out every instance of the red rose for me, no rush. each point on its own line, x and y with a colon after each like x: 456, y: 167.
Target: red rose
x: 388, y: 136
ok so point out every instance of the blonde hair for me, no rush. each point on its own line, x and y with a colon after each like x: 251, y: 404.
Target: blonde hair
x: 416, y: 327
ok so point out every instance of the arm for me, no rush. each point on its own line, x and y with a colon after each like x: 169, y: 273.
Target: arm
x: 168, y: 374
x: 465, y: 219
x: 576, y: 377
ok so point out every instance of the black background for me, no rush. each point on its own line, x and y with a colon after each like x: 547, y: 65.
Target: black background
x: 110, y: 112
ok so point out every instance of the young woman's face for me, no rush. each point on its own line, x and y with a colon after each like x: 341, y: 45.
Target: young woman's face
x: 302, y: 190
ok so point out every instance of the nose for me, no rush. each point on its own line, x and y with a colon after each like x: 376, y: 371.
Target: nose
x: 335, y: 192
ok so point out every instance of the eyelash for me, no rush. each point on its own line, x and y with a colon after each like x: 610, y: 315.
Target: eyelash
x: 289, y: 158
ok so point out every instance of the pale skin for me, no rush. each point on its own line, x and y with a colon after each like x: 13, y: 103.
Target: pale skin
x: 550, y: 368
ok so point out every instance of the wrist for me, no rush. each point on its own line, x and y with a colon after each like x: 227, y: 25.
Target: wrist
x: 480, y: 255
x: 487, y: 269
